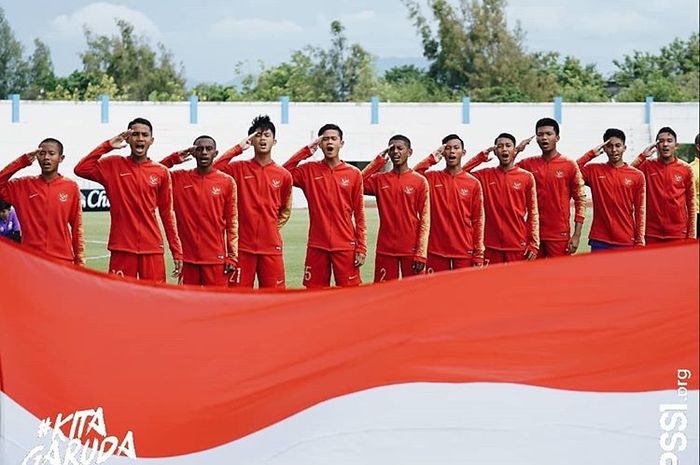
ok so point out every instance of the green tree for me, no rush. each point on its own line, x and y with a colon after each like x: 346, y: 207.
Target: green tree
x: 409, y: 83
x: 139, y: 71
x: 671, y: 76
x: 41, y: 77
x: 573, y: 81
x: 13, y: 67
x: 473, y: 52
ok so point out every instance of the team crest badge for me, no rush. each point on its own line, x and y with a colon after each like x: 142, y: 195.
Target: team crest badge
x: 517, y: 185
x: 153, y: 180
x: 276, y: 183
x: 409, y: 189
x: 63, y: 197
x: 628, y: 182
x: 345, y: 182
x: 464, y: 192
x: 678, y: 178
x: 215, y: 190
x: 559, y: 173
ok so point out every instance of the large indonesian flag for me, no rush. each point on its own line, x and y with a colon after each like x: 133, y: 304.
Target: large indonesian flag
x: 565, y: 361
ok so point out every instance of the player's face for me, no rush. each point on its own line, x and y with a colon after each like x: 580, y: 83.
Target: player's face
x: 331, y: 143
x: 453, y: 153
x: 666, y: 145
x: 615, y: 149
x: 140, y: 139
x: 4, y: 214
x: 204, y: 152
x: 547, y: 138
x: 400, y: 152
x: 263, y: 141
x: 504, y: 150
x: 49, y: 157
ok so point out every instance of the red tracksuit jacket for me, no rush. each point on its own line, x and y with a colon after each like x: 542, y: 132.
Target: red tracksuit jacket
x: 404, y: 210
x: 207, y: 215
x: 134, y: 190
x: 264, y: 202
x: 671, y: 210
x: 619, y: 204
x: 49, y: 212
x: 456, y: 213
x: 510, y: 204
x: 334, y: 196
x: 558, y: 181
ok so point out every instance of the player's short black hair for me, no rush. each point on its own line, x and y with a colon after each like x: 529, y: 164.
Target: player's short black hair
x: 331, y: 126
x: 204, y: 136
x: 547, y: 122
x: 668, y: 130
x: 262, y: 123
x: 54, y: 141
x: 504, y: 135
x: 143, y: 121
x: 697, y: 139
x: 4, y: 205
x: 401, y: 137
x: 613, y: 132
x: 452, y: 136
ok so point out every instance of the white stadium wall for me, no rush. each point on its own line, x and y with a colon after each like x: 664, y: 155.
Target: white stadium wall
x: 78, y: 125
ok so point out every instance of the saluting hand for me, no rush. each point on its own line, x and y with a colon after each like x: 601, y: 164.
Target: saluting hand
x: 186, y: 153
x: 248, y: 141
x: 521, y: 146
x: 650, y: 150
x: 31, y: 156
x: 120, y: 141
x: 438, y: 152
x: 599, y: 148
x: 314, y: 145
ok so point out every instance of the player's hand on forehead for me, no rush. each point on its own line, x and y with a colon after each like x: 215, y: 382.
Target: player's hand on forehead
x: 385, y: 153
x: 185, y: 154
x: 248, y: 141
x: 314, y: 145
x: 649, y: 151
x: 599, y: 149
x: 120, y: 141
x: 438, y: 152
x: 31, y: 156
x: 523, y: 143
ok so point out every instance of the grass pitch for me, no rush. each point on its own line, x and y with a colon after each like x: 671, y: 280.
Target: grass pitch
x: 294, y: 235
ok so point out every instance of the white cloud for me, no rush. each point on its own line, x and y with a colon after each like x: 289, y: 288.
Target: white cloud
x: 99, y: 17
x: 252, y: 28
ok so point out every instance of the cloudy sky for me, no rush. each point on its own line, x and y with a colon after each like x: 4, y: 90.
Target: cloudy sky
x: 210, y: 36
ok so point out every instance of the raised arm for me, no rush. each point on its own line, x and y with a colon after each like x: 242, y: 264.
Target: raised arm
x: 234, y: 151
x: 292, y: 165
x: 89, y: 166
x: 476, y: 160
x: 7, y: 190
x: 642, y: 157
x: 371, y: 169
x: 178, y: 157
x: 431, y: 160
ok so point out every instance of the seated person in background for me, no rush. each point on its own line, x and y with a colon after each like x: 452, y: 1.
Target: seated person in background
x: 9, y: 224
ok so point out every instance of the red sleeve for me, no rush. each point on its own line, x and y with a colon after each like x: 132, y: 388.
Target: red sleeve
x: 368, y: 172
x: 7, y: 188
x: 167, y: 216
x: 475, y: 161
x: 578, y: 194
x: 533, y: 215
x: 285, y: 210
x: 639, y: 161
x: 89, y: 166
x: 690, y: 203
x: 359, y: 214
x: 223, y: 160
x: 231, y: 209
x: 76, y: 227
x: 640, y: 211
x: 478, y: 222
x: 581, y: 162
x: 424, y: 225
x: 171, y: 160
x: 424, y: 164
x: 296, y: 171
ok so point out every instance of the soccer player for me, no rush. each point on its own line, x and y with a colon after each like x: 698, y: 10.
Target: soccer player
x: 671, y: 211
x: 695, y: 167
x: 9, y: 224
x: 619, y: 196
x: 48, y: 205
x: 456, y: 210
x: 135, y: 186
x: 264, y: 202
x: 334, y: 193
x: 205, y: 205
x: 558, y: 181
x: 512, y: 226
x: 404, y: 212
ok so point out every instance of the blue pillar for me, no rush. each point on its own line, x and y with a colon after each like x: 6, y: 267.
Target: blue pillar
x: 104, y: 99
x: 557, y: 109
x: 375, y: 110
x: 647, y: 109
x: 284, y: 100
x: 15, y: 107
x: 194, y: 100
x: 466, y: 101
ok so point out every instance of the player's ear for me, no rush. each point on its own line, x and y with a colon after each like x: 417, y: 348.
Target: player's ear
x: 61, y: 158
x: 342, y: 142
x: 410, y: 152
x: 274, y: 142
